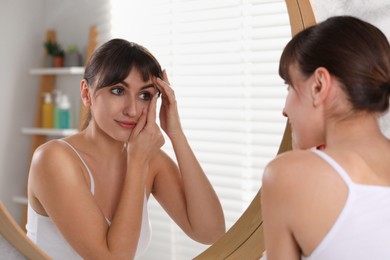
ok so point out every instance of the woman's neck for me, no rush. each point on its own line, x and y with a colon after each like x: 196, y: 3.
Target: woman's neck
x: 359, y: 128
x: 100, y: 143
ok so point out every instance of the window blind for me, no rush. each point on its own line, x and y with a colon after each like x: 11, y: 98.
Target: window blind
x: 221, y: 57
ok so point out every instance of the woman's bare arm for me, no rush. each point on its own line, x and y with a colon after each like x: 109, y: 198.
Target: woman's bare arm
x: 195, y: 205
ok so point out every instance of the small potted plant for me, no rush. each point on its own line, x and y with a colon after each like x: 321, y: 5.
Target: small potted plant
x: 54, y: 54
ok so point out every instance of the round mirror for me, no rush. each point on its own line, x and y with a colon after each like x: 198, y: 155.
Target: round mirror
x: 222, y: 60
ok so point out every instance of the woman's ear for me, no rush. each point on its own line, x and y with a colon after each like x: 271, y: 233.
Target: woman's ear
x: 85, y: 93
x: 321, y: 85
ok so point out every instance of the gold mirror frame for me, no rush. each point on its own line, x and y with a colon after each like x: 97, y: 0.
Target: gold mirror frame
x: 245, y: 240
x: 17, y: 239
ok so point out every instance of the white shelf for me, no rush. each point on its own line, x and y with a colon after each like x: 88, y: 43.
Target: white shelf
x: 58, y: 71
x: 20, y: 200
x: 48, y: 131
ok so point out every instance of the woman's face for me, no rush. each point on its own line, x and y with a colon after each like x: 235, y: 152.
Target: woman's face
x: 306, y: 123
x: 117, y: 108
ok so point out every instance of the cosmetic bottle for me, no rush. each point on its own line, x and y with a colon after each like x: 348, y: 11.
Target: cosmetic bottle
x: 64, y: 112
x: 47, y: 116
x: 57, y: 99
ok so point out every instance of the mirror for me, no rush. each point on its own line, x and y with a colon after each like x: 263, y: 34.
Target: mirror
x: 222, y: 61
x: 231, y: 98
x: 240, y: 116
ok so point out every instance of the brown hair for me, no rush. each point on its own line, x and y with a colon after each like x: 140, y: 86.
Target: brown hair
x: 354, y: 51
x: 112, y: 62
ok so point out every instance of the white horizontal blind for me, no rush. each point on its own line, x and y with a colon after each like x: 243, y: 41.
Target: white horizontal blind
x: 222, y: 60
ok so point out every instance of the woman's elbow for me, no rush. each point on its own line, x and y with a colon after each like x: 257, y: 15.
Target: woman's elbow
x: 211, y: 234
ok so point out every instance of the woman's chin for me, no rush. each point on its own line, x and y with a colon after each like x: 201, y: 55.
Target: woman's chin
x: 121, y: 138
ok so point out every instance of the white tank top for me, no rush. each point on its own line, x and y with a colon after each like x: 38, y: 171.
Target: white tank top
x: 43, y: 232
x: 362, y: 230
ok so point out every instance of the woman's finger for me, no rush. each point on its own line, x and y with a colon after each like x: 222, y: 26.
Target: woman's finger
x: 163, y: 83
x: 140, y: 125
x: 166, y: 90
x: 165, y: 76
x: 151, y: 116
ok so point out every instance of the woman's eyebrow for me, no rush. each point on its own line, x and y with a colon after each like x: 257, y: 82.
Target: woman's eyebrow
x: 151, y: 85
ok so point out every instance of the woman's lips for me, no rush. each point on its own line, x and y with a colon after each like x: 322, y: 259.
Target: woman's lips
x: 127, y: 125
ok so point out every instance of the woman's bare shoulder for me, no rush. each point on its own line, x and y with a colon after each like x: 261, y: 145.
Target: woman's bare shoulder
x: 50, y: 152
x: 294, y: 170
x: 54, y: 171
x: 291, y: 163
x: 53, y: 158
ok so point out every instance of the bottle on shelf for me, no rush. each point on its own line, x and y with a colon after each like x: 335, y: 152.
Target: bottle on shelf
x: 64, y: 112
x: 47, y: 111
x: 57, y: 99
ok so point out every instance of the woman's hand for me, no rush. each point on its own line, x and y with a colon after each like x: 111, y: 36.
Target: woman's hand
x: 146, y: 138
x: 169, y: 115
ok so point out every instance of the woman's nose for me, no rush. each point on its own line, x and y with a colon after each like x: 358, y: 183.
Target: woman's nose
x: 284, y: 113
x: 130, y: 108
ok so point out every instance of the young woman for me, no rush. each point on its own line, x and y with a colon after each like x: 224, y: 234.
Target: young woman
x: 332, y: 202
x: 88, y: 192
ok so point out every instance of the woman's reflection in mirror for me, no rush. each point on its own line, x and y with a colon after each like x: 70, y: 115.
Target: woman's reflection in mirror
x: 88, y: 192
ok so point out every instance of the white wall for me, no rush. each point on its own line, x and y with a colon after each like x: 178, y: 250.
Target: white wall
x: 376, y: 12
x: 23, y: 24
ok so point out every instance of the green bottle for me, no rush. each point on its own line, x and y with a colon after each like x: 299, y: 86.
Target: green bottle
x: 64, y: 112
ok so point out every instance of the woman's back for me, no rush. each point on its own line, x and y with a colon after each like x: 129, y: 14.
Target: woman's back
x: 341, y: 209
x: 362, y: 223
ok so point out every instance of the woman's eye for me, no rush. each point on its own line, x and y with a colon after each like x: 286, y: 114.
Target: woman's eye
x: 117, y: 91
x: 145, y: 96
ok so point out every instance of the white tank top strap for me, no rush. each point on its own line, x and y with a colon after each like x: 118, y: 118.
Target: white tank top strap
x: 86, y: 166
x: 343, y: 174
